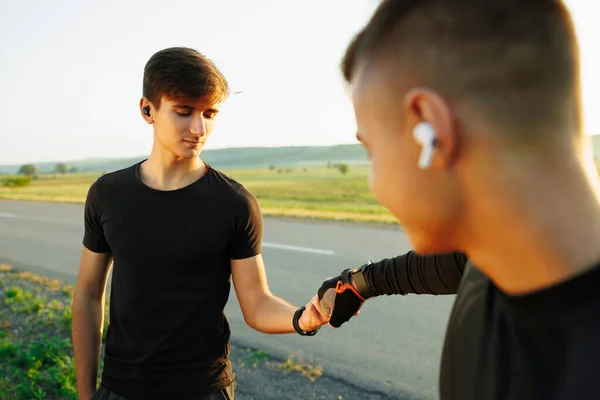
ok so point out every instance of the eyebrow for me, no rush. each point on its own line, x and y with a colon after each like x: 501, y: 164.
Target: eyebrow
x: 188, y: 107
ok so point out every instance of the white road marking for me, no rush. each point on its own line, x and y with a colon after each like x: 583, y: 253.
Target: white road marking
x: 53, y: 220
x: 298, y: 248
x: 35, y: 218
x: 265, y: 244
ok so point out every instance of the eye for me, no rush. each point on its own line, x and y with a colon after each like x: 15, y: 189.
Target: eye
x: 211, y: 115
x: 187, y: 114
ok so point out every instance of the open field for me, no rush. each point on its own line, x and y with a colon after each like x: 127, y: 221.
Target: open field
x: 318, y: 193
x: 321, y: 193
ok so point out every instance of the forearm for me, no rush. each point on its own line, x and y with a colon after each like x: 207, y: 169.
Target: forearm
x: 414, y: 273
x: 87, y: 325
x: 271, y: 314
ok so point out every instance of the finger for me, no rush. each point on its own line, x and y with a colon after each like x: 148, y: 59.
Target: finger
x: 327, y: 302
x: 316, y: 303
x: 309, y: 308
x: 316, y: 316
x: 311, y: 319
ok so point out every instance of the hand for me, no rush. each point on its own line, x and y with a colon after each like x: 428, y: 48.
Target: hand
x: 312, y: 317
x: 339, y: 299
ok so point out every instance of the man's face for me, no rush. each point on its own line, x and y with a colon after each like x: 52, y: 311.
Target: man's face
x: 426, y: 202
x: 181, y: 127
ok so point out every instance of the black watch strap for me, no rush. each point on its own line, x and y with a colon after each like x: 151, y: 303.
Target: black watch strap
x: 359, y: 282
x: 296, y: 324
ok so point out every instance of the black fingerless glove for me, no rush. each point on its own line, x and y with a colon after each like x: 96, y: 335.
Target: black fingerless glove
x: 341, y: 297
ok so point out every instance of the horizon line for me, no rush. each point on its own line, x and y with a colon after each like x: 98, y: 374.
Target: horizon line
x: 97, y: 158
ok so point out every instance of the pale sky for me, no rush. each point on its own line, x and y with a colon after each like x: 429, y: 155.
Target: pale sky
x: 71, y: 71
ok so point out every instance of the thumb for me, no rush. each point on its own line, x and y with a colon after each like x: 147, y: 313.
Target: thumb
x: 328, y: 301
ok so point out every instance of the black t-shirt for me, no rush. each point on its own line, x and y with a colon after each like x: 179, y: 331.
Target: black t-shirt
x: 168, y: 336
x: 542, y: 346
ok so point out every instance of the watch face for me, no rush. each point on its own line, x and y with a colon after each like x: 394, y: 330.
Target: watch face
x: 357, y: 269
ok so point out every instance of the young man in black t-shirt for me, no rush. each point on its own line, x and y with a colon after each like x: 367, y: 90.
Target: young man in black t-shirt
x: 177, y: 232
x: 471, y: 112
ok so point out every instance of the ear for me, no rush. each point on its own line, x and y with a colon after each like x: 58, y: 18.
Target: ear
x: 145, y: 104
x: 425, y: 105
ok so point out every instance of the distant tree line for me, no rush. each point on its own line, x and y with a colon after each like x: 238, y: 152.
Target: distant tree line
x: 28, y: 170
x: 343, y: 168
x: 31, y: 170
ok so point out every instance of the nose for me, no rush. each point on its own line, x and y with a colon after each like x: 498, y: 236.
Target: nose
x: 198, y: 126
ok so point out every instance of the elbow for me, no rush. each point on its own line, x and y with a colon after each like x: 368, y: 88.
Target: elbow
x: 251, y: 321
x: 251, y: 313
x: 254, y: 323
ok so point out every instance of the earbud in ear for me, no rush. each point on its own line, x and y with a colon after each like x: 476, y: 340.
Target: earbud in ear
x: 146, y: 111
x: 425, y: 135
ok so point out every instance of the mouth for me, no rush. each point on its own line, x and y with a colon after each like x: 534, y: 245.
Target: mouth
x: 192, y: 144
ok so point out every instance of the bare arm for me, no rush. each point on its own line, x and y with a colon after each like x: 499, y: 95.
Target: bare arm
x: 261, y: 309
x: 413, y: 273
x: 88, y: 319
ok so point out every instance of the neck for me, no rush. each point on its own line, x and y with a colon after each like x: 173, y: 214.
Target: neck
x: 165, y: 171
x: 537, y: 226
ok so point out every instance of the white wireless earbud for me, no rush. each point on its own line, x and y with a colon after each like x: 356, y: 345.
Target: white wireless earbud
x: 425, y: 135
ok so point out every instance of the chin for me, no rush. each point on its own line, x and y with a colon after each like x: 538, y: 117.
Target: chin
x: 188, y: 154
x: 427, y: 243
x: 422, y: 247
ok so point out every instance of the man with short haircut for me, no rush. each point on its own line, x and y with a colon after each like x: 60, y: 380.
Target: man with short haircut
x: 178, y: 231
x: 471, y: 112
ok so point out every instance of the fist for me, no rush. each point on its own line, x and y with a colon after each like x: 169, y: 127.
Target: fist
x: 339, y: 299
x: 312, y: 317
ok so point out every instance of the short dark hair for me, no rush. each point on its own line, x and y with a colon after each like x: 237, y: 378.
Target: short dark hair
x: 517, y: 60
x: 181, y: 72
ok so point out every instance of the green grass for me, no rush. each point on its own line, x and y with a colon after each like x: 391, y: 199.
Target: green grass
x: 38, y: 370
x: 255, y: 358
x: 36, y: 354
x: 293, y: 365
x: 321, y: 193
x: 252, y: 358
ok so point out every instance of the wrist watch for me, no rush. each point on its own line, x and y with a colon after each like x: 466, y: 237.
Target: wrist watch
x: 357, y: 278
x: 295, y: 322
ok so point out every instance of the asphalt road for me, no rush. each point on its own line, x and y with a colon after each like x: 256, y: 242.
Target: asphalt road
x: 394, y: 346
